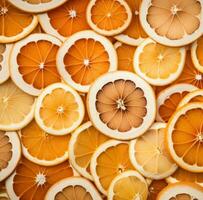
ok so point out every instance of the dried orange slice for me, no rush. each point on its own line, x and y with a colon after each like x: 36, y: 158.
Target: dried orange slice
x: 59, y: 109
x: 172, y: 23
x: 32, y: 181
x: 73, y: 188
x: 108, y: 17
x: 33, y: 63
x: 157, y: 64
x: 10, y: 152
x: 110, y: 159
x: 15, y: 24
x: 169, y: 99
x: 85, y: 56
x: 121, y: 105
x: 66, y: 19
x: 84, y: 142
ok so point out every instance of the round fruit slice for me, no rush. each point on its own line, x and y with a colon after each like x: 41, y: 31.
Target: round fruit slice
x: 66, y: 19
x: 59, y: 109
x: 128, y: 185
x: 32, y: 181
x: 16, y: 107
x: 33, y: 63
x: 42, y: 148
x: 10, y: 152
x: 108, y: 17
x: 172, y: 23
x: 157, y: 64
x: 121, y: 105
x: 73, y: 188
x: 84, y: 142
x: 109, y: 160
x: 134, y: 34
x: 169, y: 99
x: 15, y: 24
x: 149, y: 155
x: 185, y: 136
x: 85, y: 56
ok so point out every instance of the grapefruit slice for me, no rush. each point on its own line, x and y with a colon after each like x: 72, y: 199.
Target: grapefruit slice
x: 33, y: 63
x: 121, y: 105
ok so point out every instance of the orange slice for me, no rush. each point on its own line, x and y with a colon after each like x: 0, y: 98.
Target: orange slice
x: 108, y: 17
x: 73, y: 188
x: 59, y: 109
x: 10, y: 152
x: 85, y: 56
x: 15, y: 24
x: 121, y: 105
x: 33, y: 63
x: 66, y: 19
x: 169, y: 99
x: 32, y: 181
x: 172, y: 23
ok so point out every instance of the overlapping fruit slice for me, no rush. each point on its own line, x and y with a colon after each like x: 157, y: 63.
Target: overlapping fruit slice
x: 33, y: 62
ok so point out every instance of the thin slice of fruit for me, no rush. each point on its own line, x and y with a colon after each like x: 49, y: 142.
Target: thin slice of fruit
x: 73, y: 188
x: 172, y: 23
x: 16, y: 107
x: 157, y: 64
x: 3, y: 195
x: 185, y: 135
x: 10, y: 153
x: 149, y: 155
x: 42, y: 148
x: 33, y: 63
x: 84, y: 57
x: 15, y: 24
x: 128, y: 185
x: 59, y: 109
x: 65, y: 20
x: 32, y: 181
x: 110, y: 159
x: 108, y: 17
x: 84, y: 142
x: 169, y: 99
x: 121, y: 105
x: 134, y: 34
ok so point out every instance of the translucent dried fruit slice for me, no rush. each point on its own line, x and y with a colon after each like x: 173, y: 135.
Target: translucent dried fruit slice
x: 121, y: 105
x: 171, y: 22
x: 33, y: 62
x: 108, y: 17
x: 84, y: 57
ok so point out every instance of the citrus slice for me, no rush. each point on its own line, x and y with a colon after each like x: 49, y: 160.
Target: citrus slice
x: 59, y: 109
x: 3, y: 195
x: 121, y: 105
x: 134, y: 34
x: 16, y: 107
x: 128, y: 185
x: 110, y: 159
x: 73, y: 188
x: 157, y: 64
x: 15, y: 24
x: 85, y: 56
x: 172, y: 23
x: 108, y: 17
x: 42, y: 148
x: 33, y: 63
x: 10, y: 152
x: 185, y: 136
x: 66, y: 19
x: 32, y: 181
x: 169, y: 99
x: 84, y: 142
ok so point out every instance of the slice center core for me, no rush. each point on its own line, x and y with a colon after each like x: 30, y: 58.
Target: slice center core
x: 86, y: 62
x: 198, y: 77
x: 3, y: 10
x: 60, y: 110
x: 175, y: 10
x: 72, y: 13
x: 40, y: 179
x: 41, y: 65
x: 121, y: 104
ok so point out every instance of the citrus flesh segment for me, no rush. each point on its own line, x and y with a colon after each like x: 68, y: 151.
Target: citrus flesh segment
x: 84, y: 142
x: 108, y: 17
x: 33, y: 63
